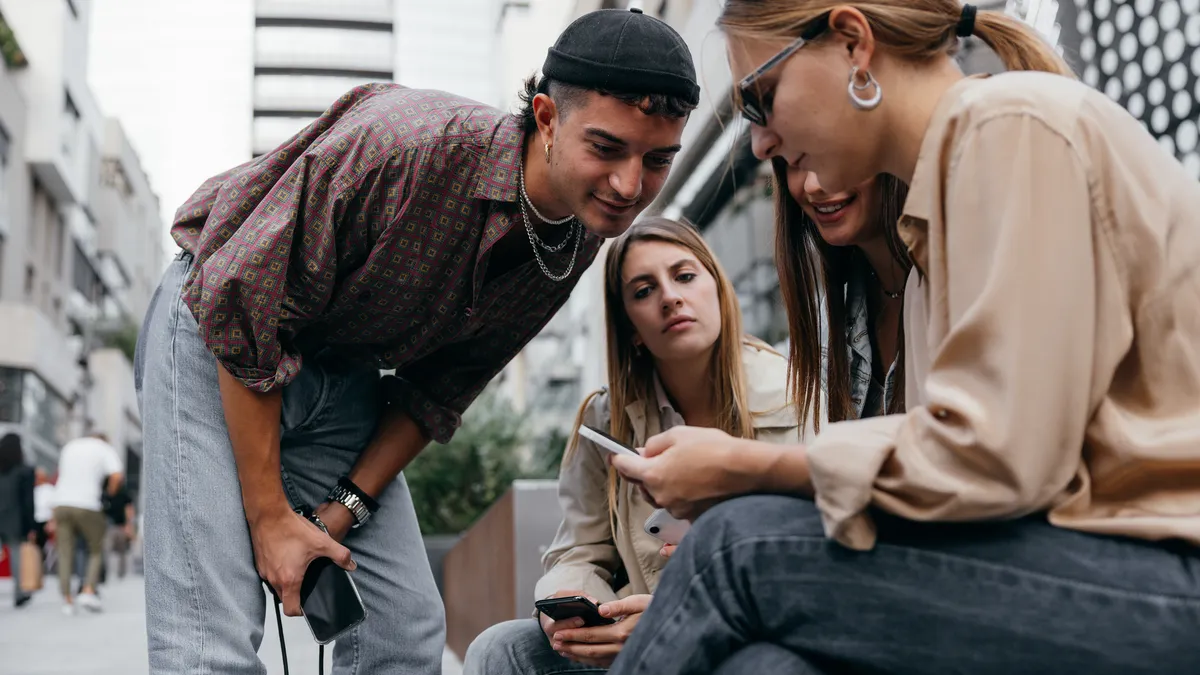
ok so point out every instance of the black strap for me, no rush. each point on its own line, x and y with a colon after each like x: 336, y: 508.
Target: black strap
x: 283, y: 645
x: 367, y: 500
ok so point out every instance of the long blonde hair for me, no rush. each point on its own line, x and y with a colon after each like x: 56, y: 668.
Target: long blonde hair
x: 631, y: 372
x: 912, y: 29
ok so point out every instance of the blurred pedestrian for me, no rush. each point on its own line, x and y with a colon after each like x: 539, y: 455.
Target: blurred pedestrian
x: 16, y: 508
x: 118, y: 507
x: 86, y: 466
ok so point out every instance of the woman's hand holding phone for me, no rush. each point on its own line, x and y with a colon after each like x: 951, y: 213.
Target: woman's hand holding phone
x: 599, y: 645
x: 686, y: 470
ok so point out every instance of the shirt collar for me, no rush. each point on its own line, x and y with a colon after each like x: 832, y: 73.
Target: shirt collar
x: 925, y: 191
x: 660, y: 394
x: 499, y: 173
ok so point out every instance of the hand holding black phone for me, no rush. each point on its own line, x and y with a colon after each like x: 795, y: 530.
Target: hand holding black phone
x: 330, y: 601
x: 572, y: 607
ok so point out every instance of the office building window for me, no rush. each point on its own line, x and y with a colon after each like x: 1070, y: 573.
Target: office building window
x: 84, y: 276
x: 10, y: 395
x: 71, y: 122
x: 26, y: 399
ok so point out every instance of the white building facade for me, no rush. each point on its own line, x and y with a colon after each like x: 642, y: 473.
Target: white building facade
x: 307, y: 53
x: 80, y: 240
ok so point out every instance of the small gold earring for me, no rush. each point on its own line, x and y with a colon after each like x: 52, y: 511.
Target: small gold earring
x: 547, y: 146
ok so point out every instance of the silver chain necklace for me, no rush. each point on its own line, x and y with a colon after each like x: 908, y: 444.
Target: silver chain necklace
x: 533, y: 241
x: 534, y: 238
x: 525, y: 196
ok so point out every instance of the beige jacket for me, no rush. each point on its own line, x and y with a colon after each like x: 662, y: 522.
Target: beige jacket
x: 586, y: 554
x: 1053, y: 351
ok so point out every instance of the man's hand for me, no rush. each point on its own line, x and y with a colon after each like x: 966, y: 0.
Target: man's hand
x: 550, y: 626
x: 667, y: 550
x: 599, y: 645
x: 284, y: 546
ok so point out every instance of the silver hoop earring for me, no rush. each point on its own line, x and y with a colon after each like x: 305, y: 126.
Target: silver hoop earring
x: 853, y: 88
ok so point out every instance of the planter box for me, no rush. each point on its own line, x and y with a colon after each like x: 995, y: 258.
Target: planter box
x: 490, y: 573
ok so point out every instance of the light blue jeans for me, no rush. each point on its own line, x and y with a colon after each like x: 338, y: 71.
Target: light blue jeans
x: 518, y: 647
x: 205, y: 603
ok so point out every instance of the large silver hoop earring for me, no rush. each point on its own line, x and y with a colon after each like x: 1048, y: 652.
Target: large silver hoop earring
x: 854, y: 87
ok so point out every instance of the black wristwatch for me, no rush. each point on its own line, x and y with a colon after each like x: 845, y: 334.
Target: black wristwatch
x: 359, y: 503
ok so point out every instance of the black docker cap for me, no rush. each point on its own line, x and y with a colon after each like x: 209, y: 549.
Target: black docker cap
x: 623, y: 51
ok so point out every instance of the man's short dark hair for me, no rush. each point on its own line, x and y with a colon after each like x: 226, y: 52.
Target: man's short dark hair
x: 567, y: 96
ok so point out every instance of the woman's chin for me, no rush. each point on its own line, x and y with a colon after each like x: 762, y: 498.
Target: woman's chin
x: 841, y: 233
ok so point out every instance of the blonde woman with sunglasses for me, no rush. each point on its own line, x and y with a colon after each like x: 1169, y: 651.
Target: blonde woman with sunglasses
x: 1036, y: 509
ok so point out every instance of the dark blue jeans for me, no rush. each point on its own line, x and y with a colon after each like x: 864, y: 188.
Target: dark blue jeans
x: 930, y: 599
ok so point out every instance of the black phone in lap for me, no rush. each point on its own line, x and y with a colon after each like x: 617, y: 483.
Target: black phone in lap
x: 572, y: 607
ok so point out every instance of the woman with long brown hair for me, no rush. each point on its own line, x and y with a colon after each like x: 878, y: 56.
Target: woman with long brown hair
x: 677, y: 355
x: 1037, y: 505
x: 842, y: 268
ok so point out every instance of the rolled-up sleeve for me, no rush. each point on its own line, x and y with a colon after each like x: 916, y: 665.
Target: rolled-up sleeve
x: 583, y: 556
x: 266, y: 267
x: 998, y: 427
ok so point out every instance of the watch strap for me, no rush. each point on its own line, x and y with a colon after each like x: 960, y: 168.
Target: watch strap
x: 352, y: 502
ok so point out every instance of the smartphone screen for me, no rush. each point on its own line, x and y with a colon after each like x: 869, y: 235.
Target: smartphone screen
x: 330, y: 601
x: 567, y: 608
x: 605, y: 441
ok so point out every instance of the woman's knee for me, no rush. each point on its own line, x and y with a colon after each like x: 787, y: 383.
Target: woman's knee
x: 756, y: 516
x: 504, y: 648
x: 763, y: 657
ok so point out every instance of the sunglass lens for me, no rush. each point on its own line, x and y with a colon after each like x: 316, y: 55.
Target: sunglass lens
x: 751, y: 109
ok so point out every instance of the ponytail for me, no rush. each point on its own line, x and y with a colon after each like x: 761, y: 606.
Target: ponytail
x: 1018, y: 46
x: 911, y: 29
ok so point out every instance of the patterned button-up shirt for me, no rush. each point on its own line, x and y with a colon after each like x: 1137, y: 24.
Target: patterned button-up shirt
x: 371, y: 230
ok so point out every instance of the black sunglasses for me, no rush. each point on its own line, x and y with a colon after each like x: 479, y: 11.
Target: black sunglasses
x: 752, y: 106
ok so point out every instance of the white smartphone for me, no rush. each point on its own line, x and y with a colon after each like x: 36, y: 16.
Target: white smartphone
x: 605, y: 441
x: 666, y: 528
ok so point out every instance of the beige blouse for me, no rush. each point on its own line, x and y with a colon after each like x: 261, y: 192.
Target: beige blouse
x: 587, y: 554
x: 1053, y: 351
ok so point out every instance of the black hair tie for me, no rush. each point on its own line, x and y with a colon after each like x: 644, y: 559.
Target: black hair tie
x: 966, y: 22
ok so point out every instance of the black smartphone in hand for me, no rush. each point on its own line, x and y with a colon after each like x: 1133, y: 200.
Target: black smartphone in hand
x: 571, y: 607
x: 330, y: 601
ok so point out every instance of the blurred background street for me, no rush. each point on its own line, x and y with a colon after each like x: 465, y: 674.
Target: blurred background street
x: 41, y: 641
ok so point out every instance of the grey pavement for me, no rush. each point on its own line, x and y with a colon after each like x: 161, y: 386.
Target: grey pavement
x: 39, y: 640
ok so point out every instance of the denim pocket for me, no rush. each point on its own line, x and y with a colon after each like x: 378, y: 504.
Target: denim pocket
x: 305, y: 397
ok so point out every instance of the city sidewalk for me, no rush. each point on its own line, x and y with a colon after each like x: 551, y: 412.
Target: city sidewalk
x: 39, y: 640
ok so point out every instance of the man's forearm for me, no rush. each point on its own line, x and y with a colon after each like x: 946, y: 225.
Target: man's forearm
x: 397, y: 441
x: 253, y: 421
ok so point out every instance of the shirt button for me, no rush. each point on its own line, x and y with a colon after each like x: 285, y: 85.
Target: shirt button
x: 469, y: 312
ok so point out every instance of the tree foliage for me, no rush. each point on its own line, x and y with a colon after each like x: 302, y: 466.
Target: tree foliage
x: 453, y: 484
